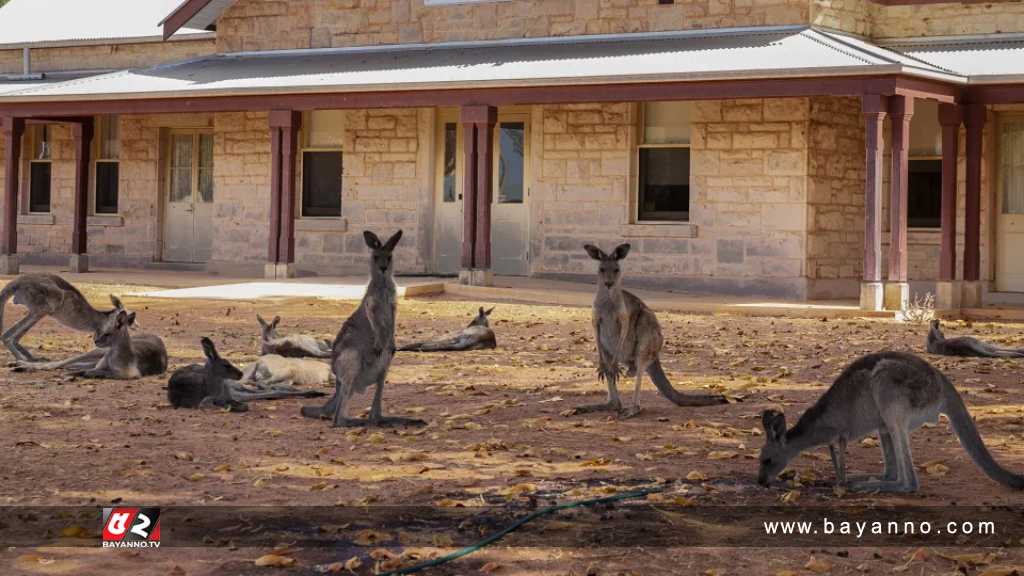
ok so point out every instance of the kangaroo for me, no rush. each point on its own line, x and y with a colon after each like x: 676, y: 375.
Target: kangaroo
x: 118, y: 355
x: 365, y: 345
x: 476, y: 336
x: 273, y: 370
x: 293, y: 345
x: 217, y: 384
x: 49, y: 295
x: 966, y: 346
x: 628, y: 334
x: 893, y: 393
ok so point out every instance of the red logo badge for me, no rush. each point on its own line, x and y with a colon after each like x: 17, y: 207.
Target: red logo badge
x: 131, y: 527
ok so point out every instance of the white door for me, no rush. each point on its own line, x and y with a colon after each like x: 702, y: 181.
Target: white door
x: 448, y: 230
x: 510, y: 222
x: 1010, y: 208
x: 189, y: 211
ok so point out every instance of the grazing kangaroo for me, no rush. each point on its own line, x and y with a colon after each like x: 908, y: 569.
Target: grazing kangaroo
x: 216, y: 384
x: 365, y: 345
x: 893, y: 393
x: 966, y: 346
x: 118, y: 355
x: 476, y: 336
x: 49, y: 295
x: 628, y: 334
x: 293, y: 345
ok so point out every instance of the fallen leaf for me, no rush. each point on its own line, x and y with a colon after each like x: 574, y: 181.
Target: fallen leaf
x: 370, y: 537
x: 490, y: 568
x: 696, y: 475
x: 274, y: 560
x: 818, y: 566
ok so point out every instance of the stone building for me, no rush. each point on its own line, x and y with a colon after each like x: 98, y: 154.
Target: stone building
x: 793, y: 148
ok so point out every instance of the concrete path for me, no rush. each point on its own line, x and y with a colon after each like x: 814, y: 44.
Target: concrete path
x: 307, y: 289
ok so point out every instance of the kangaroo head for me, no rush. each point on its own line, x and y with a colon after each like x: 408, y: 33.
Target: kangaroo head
x: 380, y: 253
x: 116, y: 322
x: 609, y: 272
x: 774, y: 455
x: 268, y: 329
x: 481, y: 317
x: 217, y: 368
x: 936, y: 330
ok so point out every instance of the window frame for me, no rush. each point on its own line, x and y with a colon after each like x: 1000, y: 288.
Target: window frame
x: 97, y: 158
x: 300, y: 167
x: 641, y: 128
x: 33, y: 135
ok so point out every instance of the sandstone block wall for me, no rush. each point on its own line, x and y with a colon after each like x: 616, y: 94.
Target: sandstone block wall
x: 109, y: 56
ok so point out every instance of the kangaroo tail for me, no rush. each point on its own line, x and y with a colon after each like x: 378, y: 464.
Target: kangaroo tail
x: 5, y: 295
x: 969, y: 438
x: 657, y: 374
x: 436, y: 346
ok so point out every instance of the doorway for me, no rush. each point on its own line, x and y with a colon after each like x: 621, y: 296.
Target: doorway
x: 1010, y: 207
x: 188, y: 212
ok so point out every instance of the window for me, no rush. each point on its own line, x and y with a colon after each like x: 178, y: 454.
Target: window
x: 40, y: 170
x: 924, y: 169
x: 108, y: 152
x: 451, y: 147
x: 511, y: 162
x: 663, y: 162
x: 322, y: 167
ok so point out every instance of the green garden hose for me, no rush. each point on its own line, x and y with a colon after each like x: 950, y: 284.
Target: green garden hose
x: 518, y: 523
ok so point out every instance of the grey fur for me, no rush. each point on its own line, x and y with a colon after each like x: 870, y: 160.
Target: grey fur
x: 476, y: 336
x: 49, y: 295
x: 118, y: 355
x: 965, y: 345
x: 628, y: 334
x: 892, y: 393
x: 365, y: 345
x: 292, y: 345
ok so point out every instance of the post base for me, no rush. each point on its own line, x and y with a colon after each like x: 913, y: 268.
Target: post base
x: 947, y: 295
x: 476, y: 277
x: 970, y: 294
x: 272, y: 270
x: 78, y: 263
x: 897, y: 295
x: 871, y: 296
x: 9, y: 264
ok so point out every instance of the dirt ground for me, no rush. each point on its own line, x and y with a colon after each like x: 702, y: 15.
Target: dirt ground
x: 496, y: 434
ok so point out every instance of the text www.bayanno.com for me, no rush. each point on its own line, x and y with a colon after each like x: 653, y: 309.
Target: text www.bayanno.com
x: 861, y: 529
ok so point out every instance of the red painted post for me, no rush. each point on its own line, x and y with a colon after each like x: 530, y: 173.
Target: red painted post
x: 484, y: 192
x: 950, y: 118
x: 974, y: 119
x: 901, y: 109
x: 82, y: 134
x: 12, y: 129
x: 874, y: 107
x: 284, y: 127
x: 274, y: 225
x: 469, y: 196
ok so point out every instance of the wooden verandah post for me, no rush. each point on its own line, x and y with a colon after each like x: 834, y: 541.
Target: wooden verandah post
x: 874, y: 107
x: 82, y: 133
x: 284, y: 129
x: 478, y: 125
x: 947, y: 290
x: 12, y: 129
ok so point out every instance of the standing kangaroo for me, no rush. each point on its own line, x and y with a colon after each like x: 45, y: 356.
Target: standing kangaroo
x: 49, y: 295
x: 292, y: 345
x: 476, y: 336
x: 628, y: 334
x: 118, y: 354
x: 365, y: 345
x: 966, y: 346
x: 893, y: 393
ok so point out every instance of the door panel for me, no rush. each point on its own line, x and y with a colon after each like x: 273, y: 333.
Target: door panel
x: 509, y: 213
x: 189, y: 210
x: 448, y: 237
x: 1010, y: 209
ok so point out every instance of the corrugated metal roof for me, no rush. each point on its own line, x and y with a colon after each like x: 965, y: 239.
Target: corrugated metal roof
x: 693, y: 55
x: 993, y: 58
x: 35, y: 22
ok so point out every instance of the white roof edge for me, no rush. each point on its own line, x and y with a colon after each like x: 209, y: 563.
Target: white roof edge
x: 187, y: 35
x: 949, y: 39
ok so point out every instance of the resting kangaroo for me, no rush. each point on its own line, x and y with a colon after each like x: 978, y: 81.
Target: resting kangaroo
x: 117, y: 355
x: 966, y: 346
x: 477, y: 336
x: 365, y: 345
x: 218, y: 384
x: 293, y: 345
x: 628, y: 334
x: 49, y: 295
x: 893, y: 393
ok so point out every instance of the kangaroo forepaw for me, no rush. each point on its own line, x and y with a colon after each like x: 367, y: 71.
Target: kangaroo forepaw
x: 602, y: 407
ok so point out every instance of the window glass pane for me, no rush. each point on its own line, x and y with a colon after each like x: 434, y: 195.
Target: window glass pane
x: 110, y: 138
x: 321, y: 183
x: 511, y: 142
x: 924, y: 193
x: 106, y: 187
x: 41, y: 142
x: 451, y: 139
x: 326, y: 128
x: 667, y: 122
x: 1012, y: 169
x: 39, y: 187
x: 925, y: 131
x: 664, y: 184
x: 206, y: 168
x: 181, y: 168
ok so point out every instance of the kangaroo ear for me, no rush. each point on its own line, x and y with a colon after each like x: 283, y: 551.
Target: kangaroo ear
x: 488, y: 313
x: 121, y: 319
x: 481, y: 312
x: 275, y: 321
x: 595, y: 252
x: 621, y: 251
x: 130, y: 319
x: 209, y: 349
x: 774, y: 423
x: 393, y: 241
x: 116, y: 302
x: 371, y: 240
x: 262, y: 322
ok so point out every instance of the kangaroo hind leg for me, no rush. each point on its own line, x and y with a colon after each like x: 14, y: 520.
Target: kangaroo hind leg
x: 12, y: 337
x: 377, y: 417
